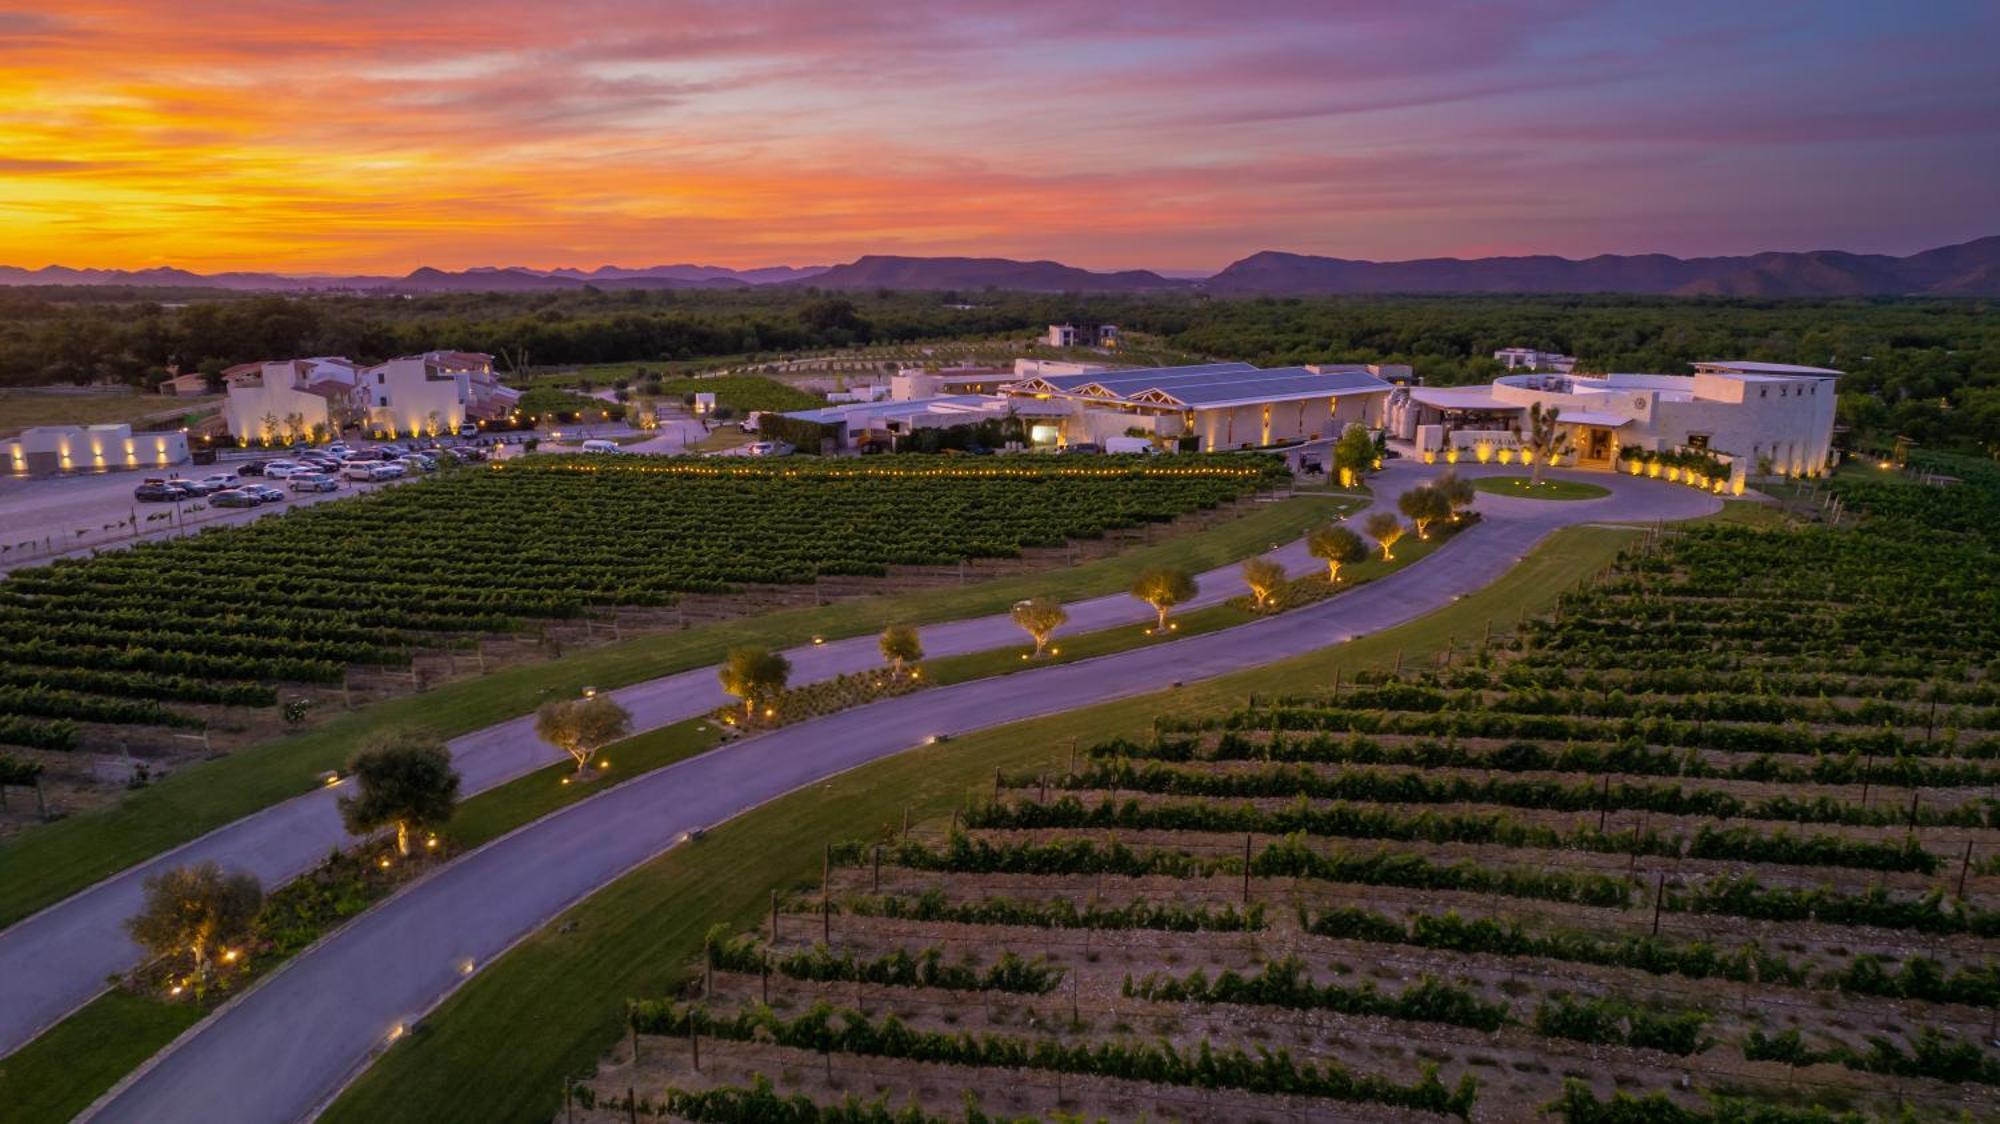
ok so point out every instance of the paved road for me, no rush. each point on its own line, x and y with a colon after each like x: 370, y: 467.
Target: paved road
x: 292, y: 1042
x: 58, y: 959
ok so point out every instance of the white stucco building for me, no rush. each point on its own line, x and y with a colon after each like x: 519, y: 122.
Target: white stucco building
x: 1527, y: 358
x: 1775, y: 417
x: 289, y: 399
x: 49, y: 449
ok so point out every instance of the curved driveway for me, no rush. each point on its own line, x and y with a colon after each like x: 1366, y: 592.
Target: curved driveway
x: 59, y: 958
x: 290, y: 1043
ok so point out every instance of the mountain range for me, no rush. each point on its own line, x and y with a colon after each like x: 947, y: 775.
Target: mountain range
x: 1964, y: 270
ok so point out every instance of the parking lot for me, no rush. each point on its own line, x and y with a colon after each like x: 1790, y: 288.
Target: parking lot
x: 53, y: 516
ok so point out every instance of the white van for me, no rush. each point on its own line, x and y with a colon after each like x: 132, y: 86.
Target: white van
x: 600, y: 446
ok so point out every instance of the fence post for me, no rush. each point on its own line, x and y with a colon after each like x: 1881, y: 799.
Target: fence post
x: 1246, y: 868
x: 774, y: 917
x: 1659, y: 896
x: 1965, y: 868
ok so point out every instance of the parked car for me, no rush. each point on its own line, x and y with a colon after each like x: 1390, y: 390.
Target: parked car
x: 416, y: 463
x: 251, y: 468
x: 315, y: 482
x: 194, y: 487
x: 280, y: 470
x: 233, y: 497
x: 359, y: 470
x: 468, y: 429
x: 390, y: 470
x: 159, y: 491
x: 600, y: 446
x: 766, y: 449
x: 219, y: 481
x: 264, y: 493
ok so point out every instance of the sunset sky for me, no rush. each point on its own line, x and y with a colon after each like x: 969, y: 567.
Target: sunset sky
x: 379, y: 135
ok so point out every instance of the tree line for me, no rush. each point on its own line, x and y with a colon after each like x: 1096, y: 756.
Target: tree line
x: 1927, y: 369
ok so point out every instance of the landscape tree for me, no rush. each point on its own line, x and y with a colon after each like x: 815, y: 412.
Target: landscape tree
x: 1423, y: 506
x: 1353, y: 455
x: 1544, y: 442
x: 581, y: 727
x: 1385, y: 529
x: 193, y: 909
x: 754, y: 674
x: 1264, y: 577
x: 403, y: 782
x: 1457, y: 491
x: 1040, y: 617
x: 1336, y: 546
x: 1164, y: 587
x: 901, y: 646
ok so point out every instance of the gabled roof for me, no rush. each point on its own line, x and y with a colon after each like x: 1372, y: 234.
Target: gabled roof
x: 1122, y: 383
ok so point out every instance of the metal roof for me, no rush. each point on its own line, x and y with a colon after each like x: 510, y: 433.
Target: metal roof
x: 1216, y: 390
x: 1117, y: 382
x: 1752, y: 367
x: 1207, y: 386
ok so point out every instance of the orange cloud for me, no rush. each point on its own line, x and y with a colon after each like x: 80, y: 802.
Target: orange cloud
x: 379, y: 135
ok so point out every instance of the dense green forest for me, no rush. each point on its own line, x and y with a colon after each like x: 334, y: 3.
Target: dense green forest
x: 1926, y: 369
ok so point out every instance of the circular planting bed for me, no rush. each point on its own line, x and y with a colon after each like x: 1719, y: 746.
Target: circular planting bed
x: 1518, y: 487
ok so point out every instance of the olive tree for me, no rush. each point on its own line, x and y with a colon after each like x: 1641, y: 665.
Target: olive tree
x: 1164, y: 587
x: 581, y: 727
x: 1423, y: 506
x: 194, y: 909
x: 1353, y: 455
x: 1457, y: 491
x: 754, y: 675
x: 1385, y: 529
x: 1336, y: 546
x: 901, y: 646
x: 1040, y: 617
x: 1264, y: 577
x: 400, y: 782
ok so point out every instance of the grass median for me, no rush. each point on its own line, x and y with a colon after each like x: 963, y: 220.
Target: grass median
x: 473, y: 1058
x: 71, y: 1064
x: 53, y: 861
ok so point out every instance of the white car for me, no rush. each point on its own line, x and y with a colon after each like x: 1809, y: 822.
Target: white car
x: 220, y: 480
x: 390, y: 470
x: 279, y: 470
x: 360, y: 470
x: 766, y: 449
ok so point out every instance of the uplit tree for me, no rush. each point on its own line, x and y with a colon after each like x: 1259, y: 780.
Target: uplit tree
x: 1264, y: 577
x: 1456, y: 490
x: 754, y: 675
x: 295, y: 427
x: 1164, y: 587
x: 1336, y: 546
x: 404, y: 782
x: 1040, y: 617
x: 901, y: 646
x: 1385, y: 529
x: 1423, y: 506
x: 1545, y: 442
x: 1353, y: 455
x: 581, y: 727
x: 194, y: 909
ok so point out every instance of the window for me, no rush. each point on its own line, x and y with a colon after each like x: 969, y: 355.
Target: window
x: 1763, y: 392
x: 1697, y: 440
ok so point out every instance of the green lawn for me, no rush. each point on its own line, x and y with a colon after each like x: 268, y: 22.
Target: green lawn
x: 500, y: 1048
x: 58, y: 1074
x: 1519, y: 488
x: 58, y: 859
x: 71, y: 1064
x: 20, y: 409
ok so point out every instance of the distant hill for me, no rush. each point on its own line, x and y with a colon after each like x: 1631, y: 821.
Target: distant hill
x: 1969, y: 269
x: 886, y: 271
